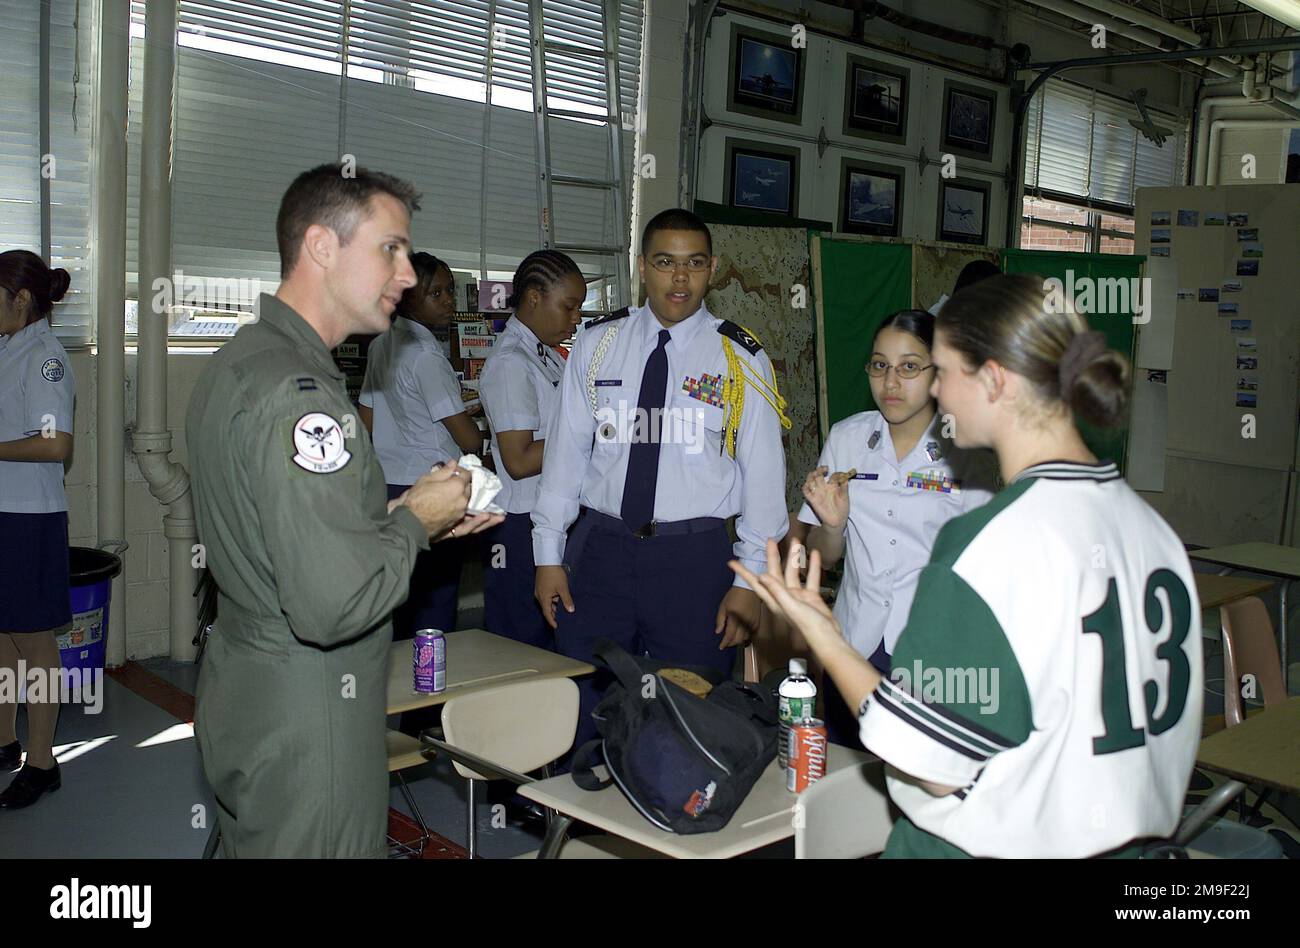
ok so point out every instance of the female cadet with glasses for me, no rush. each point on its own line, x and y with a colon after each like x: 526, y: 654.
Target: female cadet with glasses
x: 1066, y: 595
x: 887, y: 481
x: 36, y: 395
x: 411, y: 402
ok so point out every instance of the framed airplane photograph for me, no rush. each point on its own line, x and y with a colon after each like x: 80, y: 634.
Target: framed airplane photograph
x: 963, y: 211
x: 765, y: 76
x: 763, y: 177
x: 968, y: 120
x: 875, y: 100
x: 871, y: 198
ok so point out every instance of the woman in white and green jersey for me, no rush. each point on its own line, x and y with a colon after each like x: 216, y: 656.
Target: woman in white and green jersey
x: 1045, y: 694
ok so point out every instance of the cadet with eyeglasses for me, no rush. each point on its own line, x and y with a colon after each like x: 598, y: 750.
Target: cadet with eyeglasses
x: 668, y: 423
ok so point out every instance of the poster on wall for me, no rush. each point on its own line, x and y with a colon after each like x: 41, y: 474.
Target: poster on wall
x: 765, y: 76
x: 968, y: 120
x: 763, y: 177
x: 875, y: 100
x: 871, y: 198
x: 963, y: 211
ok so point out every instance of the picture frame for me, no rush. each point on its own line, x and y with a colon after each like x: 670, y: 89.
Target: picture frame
x: 969, y: 120
x: 763, y: 177
x: 765, y: 75
x: 963, y: 214
x: 875, y: 100
x: 871, y: 198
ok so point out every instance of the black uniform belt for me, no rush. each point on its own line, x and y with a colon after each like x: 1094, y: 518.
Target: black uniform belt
x: 655, y: 528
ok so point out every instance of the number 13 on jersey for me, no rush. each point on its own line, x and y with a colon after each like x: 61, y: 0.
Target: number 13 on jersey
x: 1107, y: 623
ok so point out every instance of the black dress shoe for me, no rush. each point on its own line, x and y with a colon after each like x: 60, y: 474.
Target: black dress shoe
x: 28, y: 786
x: 11, y: 757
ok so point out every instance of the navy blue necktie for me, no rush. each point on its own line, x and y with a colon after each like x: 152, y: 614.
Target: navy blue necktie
x: 643, y: 460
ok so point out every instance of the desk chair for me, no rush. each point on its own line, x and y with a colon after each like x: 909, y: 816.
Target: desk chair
x: 502, y: 733
x: 1249, y: 648
x: 845, y: 815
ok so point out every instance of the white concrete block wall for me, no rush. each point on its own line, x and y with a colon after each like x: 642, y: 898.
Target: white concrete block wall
x: 146, y: 565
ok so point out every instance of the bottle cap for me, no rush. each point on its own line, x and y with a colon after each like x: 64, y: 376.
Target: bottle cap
x: 798, y: 666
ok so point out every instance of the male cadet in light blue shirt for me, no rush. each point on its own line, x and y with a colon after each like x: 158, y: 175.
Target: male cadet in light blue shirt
x: 643, y: 439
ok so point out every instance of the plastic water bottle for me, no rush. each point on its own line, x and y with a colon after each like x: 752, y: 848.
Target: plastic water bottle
x: 797, y: 700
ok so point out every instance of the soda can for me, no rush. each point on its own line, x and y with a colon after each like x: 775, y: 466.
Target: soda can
x: 429, y: 662
x: 807, y: 751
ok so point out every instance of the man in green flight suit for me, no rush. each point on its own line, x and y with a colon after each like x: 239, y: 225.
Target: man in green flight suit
x: 309, y: 556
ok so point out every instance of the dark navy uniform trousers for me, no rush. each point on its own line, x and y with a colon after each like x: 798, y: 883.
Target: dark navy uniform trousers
x: 656, y: 596
x: 509, y: 607
x: 435, y: 586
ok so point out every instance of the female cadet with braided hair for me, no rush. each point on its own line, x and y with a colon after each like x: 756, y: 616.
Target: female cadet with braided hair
x: 1045, y: 696
x: 36, y: 395
x: 518, y: 391
x: 411, y: 402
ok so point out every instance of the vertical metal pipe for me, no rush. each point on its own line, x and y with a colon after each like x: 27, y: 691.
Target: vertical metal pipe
x: 109, y: 171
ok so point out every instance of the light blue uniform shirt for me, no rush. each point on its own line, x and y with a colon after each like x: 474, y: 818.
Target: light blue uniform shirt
x: 411, y: 387
x: 37, y: 390
x: 893, y: 523
x: 518, y: 388
x: 587, y: 446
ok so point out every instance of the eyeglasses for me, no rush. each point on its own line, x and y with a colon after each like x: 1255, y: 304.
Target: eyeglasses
x: 878, y: 369
x: 691, y: 265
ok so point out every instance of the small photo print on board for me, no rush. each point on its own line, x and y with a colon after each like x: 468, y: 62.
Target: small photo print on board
x: 1160, y: 218
x: 1232, y: 286
x: 1160, y: 250
x: 1185, y: 293
x: 1238, y: 219
x: 1248, y: 233
x: 1239, y: 326
x: 1227, y: 309
x: 1247, y: 268
x: 1158, y: 375
x: 1247, y: 383
x: 1213, y: 219
x: 1161, y: 235
x: 1207, y: 294
x: 1247, y: 346
x: 1245, y: 399
x: 1189, y: 218
x: 1247, y: 363
x: 1253, y: 249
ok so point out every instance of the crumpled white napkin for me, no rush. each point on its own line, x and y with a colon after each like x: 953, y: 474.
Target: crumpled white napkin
x: 484, y: 488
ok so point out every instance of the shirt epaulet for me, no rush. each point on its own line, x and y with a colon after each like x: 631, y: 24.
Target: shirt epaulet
x: 601, y: 320
x: 740, y: 335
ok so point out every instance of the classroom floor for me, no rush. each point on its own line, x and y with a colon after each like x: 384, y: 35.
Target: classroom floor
x: 133, y: 784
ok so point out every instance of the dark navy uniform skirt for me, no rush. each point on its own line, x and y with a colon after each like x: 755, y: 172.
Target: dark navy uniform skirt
x: 34, y: 572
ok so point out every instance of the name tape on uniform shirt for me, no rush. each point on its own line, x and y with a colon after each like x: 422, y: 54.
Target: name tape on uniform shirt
x: 318, y: 440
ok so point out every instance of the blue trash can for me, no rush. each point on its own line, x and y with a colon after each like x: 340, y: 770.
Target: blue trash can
x: 90, y: 583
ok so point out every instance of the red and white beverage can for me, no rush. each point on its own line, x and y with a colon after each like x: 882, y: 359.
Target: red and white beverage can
x: 807, y: 756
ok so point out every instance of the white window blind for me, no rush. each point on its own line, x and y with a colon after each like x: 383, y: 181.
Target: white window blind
x: 67, y: 165
x: 262, y: 95
x: 1080, y: 143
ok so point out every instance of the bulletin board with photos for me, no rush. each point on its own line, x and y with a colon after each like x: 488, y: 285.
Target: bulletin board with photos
x: 1230, y: 252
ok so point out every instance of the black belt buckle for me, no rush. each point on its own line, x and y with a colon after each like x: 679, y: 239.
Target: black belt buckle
x: 646, y: 532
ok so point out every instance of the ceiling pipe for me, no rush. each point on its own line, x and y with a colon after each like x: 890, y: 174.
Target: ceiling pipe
x: 1284, y: 11
x: 1160, y: 36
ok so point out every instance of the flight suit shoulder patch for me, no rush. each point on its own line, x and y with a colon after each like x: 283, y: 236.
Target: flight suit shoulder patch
x: 602, y: 320
x: 319, y: 443
x: 741, y: 336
